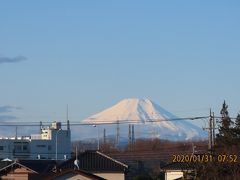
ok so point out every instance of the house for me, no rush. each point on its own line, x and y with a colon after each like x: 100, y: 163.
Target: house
x: 73, y: 175
x: 98, y: 164
x: 26, y: 169
x: 178, y: 170
x: 88, y: 165
x: 52, y: 143
x: 15, y: 170
x: 41, y: 169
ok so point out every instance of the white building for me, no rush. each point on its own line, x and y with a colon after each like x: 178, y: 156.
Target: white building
x: 52, y: 143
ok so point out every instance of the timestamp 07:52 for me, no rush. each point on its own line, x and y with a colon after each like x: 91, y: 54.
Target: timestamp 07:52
x: 205, y: 158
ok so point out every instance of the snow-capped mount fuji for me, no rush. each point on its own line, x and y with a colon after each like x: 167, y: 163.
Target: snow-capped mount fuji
x: 146, y: 115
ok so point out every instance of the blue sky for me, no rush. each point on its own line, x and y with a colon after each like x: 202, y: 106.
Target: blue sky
x: 184, y: 55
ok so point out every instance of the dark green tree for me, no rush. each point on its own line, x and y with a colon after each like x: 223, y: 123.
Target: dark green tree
x: 237, y: 122
x: 237, y: 131
x: 225, y: 137
x: 225, y: 122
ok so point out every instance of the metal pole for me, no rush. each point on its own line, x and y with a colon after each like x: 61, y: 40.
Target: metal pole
x: 98, y: 144
x: 104, y: 136
x: 98, y: 139
x: 213, y: 126
x: 210, y: 132
x: 57, y: 144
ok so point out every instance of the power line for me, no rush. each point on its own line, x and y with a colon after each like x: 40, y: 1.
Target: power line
x: 101, y: 122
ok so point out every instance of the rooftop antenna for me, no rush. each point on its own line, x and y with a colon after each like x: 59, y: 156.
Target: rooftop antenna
x: 76, y: 161
x: 67, y: 112
x: 16, y: 132
x: 40, y: 127
x: 68, y: 123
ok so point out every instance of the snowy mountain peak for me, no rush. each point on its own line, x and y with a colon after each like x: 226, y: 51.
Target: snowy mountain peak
x: 132, y: 109
x: 144, y: 111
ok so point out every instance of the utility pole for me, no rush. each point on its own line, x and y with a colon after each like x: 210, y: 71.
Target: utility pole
x: 211, y: 131
x: 129, y: 134
x: 133, y: 134
x: 213, y: 126
x: 210, y: 135
x: 118, y: 134
x: 98, y: 143
x: 104, y: 136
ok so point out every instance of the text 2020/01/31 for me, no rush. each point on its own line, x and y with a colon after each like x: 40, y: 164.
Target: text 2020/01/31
x: 205, y: 158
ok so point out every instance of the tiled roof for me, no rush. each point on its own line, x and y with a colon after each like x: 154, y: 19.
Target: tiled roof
x: 40, y: 166
x: 8, y: 166
x: 3, y: 164
x: 94, y: 161
x: 91, y: 161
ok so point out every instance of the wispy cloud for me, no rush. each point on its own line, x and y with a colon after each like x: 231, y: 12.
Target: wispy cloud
x: 4, y: 113
x: 12, y: 59
x: 5, y: 109
x: 7, y: 117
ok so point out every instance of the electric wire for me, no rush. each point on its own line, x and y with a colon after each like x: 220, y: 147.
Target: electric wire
x: 101, y: 122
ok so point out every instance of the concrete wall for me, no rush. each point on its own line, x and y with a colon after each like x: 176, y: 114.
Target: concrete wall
x: 111, y: 176
x: 72, y: 176
x: 22, y: 148
x: 170, y: 175
x: 18, y: 174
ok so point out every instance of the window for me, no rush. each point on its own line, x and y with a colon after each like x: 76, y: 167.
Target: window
x: 25, y: 147
x: 49, y: 147
x: 41, y: 146
x: 1, y: 148
x: 18, y: 147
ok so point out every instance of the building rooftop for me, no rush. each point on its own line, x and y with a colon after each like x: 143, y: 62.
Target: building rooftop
x: 95, y: 161
x: 89, y: 162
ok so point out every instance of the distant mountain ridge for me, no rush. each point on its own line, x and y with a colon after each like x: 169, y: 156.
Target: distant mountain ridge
x: 149, y: 115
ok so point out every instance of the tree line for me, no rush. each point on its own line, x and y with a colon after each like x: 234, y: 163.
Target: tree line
x: 227, y: 146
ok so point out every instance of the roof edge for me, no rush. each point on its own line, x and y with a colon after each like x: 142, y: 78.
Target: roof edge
x: 116, y: 161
